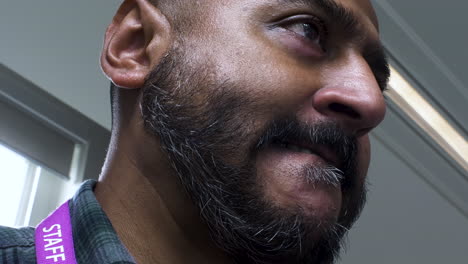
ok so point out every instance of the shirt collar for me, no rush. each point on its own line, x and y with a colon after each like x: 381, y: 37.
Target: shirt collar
x: 95, y: 240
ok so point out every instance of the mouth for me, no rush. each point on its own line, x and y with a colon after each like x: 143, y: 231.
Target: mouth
x: 328, y: 155
x: 306, y: 166
x: 296, y: 174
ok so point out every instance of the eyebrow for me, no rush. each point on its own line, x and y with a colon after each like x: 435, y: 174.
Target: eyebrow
x: 374, y: 53
x: 375, y: 56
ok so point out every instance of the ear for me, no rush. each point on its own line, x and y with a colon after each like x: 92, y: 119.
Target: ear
x: 135, y: 42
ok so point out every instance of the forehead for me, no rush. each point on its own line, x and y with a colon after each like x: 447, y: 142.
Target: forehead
x: 361, y: 9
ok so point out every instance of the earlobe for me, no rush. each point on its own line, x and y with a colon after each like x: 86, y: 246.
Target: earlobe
x: 136, y: 40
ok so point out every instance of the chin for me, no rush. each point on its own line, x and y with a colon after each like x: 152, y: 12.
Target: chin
x: 284, y: 183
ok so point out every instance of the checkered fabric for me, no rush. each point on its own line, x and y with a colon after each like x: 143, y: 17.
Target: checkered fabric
x: 95, y: 240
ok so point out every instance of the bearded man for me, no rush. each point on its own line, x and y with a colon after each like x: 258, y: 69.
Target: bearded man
x: 240, y: 135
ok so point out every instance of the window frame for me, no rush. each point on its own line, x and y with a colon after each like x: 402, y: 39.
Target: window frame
x: 91, y: 139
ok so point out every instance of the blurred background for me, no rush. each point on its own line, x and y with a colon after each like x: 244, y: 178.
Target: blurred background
x: 55, y: 121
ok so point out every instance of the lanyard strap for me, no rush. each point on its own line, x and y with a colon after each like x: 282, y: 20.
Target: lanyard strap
x: 54, y: 239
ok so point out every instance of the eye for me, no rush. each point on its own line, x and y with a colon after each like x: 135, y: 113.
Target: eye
x: 306, y: 30
x: 312, y: 30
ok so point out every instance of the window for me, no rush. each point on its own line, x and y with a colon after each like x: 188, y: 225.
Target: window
x: 46, y: 150
x: 25, y: 190
x: 18, y: 171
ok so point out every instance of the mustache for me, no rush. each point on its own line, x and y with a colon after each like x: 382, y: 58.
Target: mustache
x: 324, y: 133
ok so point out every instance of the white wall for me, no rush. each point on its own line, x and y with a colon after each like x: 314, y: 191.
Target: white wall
x: 405, y: 220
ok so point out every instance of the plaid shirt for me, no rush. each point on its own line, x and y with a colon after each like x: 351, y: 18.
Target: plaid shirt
x: 94, y: 238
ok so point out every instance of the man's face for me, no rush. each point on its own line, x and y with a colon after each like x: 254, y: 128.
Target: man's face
x: 264, y: 108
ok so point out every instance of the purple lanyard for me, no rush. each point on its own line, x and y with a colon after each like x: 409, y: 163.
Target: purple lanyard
x: 54, y: 239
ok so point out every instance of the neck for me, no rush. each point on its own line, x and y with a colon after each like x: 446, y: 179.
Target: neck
x: 148, y: 208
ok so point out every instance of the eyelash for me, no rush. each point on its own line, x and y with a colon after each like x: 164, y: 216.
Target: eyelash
x: 315, y: 22
x: 323, y: 37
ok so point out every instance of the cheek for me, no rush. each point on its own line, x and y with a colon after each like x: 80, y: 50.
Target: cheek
x: 280, y: 88
x: 269, y: 76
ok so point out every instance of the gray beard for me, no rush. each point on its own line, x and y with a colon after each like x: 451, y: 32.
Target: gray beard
x: 212, y: 150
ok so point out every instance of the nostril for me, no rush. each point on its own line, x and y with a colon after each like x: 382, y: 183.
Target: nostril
x: 340, y: 108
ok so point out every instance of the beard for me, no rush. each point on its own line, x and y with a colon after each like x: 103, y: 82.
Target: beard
x: 209, y: 129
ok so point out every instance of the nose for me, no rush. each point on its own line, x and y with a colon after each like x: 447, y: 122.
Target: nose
x: 351, y: 96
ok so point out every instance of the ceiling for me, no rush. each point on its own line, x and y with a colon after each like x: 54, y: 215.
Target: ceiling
x: 428, y: 42
x: 57, y: 46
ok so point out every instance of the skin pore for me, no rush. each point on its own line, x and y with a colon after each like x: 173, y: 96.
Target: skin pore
x: 255, y: 63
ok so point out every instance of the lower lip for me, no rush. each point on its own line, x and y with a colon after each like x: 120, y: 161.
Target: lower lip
x: 280, y: 170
